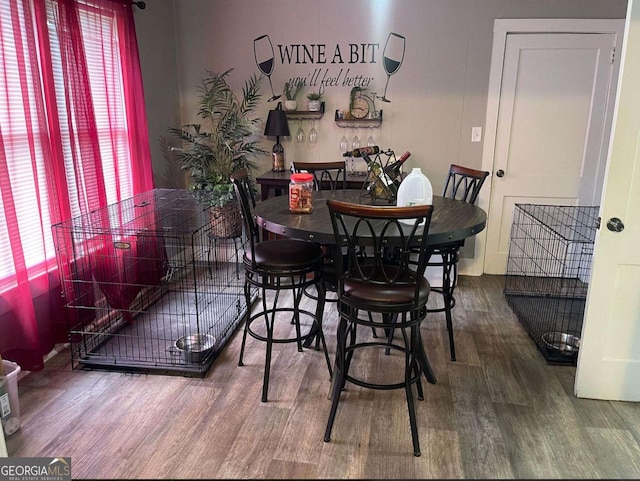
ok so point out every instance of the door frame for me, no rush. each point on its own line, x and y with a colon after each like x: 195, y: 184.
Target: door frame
x: 502, y: 28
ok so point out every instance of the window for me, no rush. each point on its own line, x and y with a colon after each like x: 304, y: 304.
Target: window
x: 59, y: 146
x: 73, y: 139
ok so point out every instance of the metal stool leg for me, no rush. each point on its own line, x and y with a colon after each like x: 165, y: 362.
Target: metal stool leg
x: 450, y: 261
x: 247, y: 297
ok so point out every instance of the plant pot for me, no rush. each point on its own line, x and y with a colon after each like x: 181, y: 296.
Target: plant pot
x: 290, y: 105
x: 313, y: 105
x: 226, y: 221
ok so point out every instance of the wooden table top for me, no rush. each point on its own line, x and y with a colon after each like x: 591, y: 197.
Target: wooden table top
x: 452, y: 220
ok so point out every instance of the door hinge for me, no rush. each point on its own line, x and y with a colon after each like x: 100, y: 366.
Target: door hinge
x: 598, y: 222
x: 613, y: 54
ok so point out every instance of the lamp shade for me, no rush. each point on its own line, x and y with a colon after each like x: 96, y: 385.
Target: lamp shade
x: 277, y: 125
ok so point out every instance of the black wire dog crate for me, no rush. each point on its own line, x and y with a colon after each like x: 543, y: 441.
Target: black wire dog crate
x: 151, y: 284
x: 548, y: 272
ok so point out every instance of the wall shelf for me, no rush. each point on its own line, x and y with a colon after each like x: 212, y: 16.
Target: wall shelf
x: 351, y: 123
x: 306, y: 114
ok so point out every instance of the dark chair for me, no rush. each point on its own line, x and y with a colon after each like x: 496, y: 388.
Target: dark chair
x: 333, y: 176
x: 277, y: 265
x: 463, y: 184
x: 324, y: 173
x: 378, y: 288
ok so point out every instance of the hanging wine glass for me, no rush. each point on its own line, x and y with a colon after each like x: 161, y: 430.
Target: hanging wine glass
x: 300, y: 135
x: 263, y: 52
x: 392, y: 58
x: 355, y: 143
x: 313, y: 134
x: 344, y: 144
x: 370, y: 140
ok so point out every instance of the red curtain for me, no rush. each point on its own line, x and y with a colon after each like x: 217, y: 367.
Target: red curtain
x: 73, y: 138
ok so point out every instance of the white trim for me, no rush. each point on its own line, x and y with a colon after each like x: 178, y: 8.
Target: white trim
x: 501, y: 28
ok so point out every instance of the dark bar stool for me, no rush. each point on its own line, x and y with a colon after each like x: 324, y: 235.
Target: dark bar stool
x: 379, y: 289
x: 278, y: 265
x: 463, y: 184
x: 324, y: 173
x: 334, y: 176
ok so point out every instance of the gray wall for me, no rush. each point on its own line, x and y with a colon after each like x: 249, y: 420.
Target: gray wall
x: 155, y: 29
x: 438, y: 95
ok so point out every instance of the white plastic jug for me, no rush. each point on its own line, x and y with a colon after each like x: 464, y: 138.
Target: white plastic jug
x: 415, y: 189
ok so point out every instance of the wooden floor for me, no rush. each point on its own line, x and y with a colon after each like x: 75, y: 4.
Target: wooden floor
x: 499, y: 411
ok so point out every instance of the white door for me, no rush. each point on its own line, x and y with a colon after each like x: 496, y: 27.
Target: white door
x: 609, y: 357
x: 552, y: 126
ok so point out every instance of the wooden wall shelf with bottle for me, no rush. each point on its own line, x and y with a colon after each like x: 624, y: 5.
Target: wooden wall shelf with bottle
x: 352, y: 122
x: 306, y: 114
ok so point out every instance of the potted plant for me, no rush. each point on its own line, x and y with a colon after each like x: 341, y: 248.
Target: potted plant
x: 313, y: 103
x: 223, y: 143
x: 291, y: 91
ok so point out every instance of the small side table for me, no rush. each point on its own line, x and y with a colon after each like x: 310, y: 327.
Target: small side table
x: 273, y: 180
x: 279, y: 182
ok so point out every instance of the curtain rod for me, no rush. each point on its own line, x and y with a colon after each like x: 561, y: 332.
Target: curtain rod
x: 140, y: 4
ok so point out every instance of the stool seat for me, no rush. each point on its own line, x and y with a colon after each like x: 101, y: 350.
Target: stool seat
x: 284, y: 254
x: 388, y: 296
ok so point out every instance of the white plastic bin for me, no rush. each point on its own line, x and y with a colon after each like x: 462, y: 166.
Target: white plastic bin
x: 10, y: 383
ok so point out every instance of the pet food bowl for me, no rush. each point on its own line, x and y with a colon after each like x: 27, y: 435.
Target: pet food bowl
x: 195, y: 347
x: 561, y: 342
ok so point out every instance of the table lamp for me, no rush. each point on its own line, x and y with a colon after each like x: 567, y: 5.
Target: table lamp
x: 277, y: 126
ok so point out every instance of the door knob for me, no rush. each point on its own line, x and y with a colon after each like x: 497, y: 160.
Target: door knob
x: 615, y: 225
x: 500, y: 173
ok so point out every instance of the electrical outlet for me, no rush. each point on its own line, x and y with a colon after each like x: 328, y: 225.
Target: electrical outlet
x: 476, y: 134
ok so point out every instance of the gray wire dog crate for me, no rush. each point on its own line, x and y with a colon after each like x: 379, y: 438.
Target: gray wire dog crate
x: 548, y: 272
x: 150, y: 284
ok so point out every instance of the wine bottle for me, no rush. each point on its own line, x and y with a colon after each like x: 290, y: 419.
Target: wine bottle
x: 394, y: 170
x: 362, y: 150
x: 381, y: 184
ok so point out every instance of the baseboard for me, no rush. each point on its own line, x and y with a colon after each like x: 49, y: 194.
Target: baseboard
x: 465, y: 268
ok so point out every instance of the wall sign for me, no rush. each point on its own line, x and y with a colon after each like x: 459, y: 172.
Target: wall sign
x: 331, y: 65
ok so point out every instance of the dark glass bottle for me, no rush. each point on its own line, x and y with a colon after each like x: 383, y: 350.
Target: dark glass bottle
x: 362, y: 151
x: 394, y: 170
x: 381, y: 184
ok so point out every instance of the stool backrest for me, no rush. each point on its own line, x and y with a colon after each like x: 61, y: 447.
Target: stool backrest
x: 324, y: 173
x: 464, y: 183
x: 244, y: 192
x: 376, y: 242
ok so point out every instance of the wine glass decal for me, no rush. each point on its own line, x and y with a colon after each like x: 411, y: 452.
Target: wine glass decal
x: 392, y: 58
x: 263, y: 51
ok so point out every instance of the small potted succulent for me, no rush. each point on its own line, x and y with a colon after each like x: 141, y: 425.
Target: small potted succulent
x: 291, y: 91
x: 313, y: 103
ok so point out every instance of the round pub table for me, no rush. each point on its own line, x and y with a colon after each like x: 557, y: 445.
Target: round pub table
x: 452, y: 220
